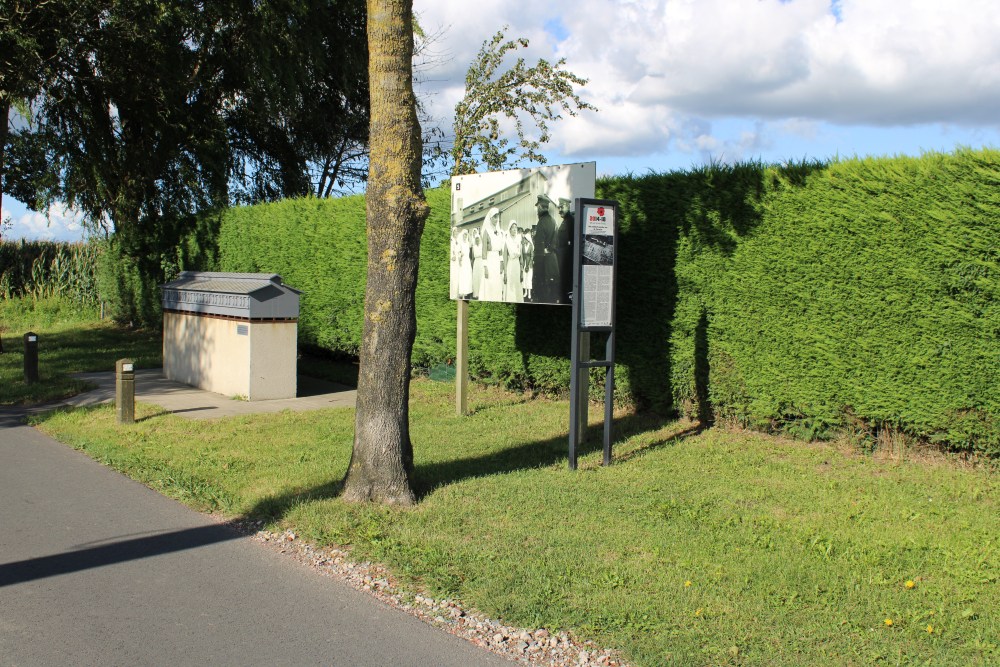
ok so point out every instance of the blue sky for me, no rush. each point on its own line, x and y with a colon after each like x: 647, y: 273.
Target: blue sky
x: 679, y: 83
x: 683, y: 82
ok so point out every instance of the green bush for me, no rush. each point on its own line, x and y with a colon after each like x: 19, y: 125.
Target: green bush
x: 129, y: 279
x: 803, y: 297
x: 318, y: 246
x: 130, y: 298
x: 869, y: 290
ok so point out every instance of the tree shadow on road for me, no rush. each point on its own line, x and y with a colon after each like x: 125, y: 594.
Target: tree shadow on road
x: 118, y: 551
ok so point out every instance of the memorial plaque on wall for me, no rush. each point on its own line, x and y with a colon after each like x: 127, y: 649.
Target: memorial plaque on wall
x: 597, y: 269
x: 512, y: 233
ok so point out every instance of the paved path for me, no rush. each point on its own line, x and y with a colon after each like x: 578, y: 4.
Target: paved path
x: 96, y: 569
x: 152, y: 387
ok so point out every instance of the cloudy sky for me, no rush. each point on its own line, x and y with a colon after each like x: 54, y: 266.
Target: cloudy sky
x: 683, y: 82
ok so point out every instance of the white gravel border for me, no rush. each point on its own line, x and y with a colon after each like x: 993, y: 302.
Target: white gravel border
x: 527, y: 646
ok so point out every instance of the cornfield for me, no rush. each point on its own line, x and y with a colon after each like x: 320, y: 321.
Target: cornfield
x: 40, y: 269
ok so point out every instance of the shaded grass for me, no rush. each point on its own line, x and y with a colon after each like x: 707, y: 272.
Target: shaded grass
x: 707, y: 547
x: 70, y: 340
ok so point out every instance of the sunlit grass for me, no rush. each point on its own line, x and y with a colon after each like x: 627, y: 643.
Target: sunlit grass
x: 708, y: 547
x: 694, y: 548
x: 70, y: 340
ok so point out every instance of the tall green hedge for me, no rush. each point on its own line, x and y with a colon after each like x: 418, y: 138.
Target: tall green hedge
x: 318, y: 246
x: 862, y: 292
x: 868, y: 290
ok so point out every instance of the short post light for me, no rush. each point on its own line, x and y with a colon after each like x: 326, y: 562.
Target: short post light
x: 30, y: 358
x: 125, y: 391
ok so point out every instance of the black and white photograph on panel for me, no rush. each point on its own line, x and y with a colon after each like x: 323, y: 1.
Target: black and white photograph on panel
x: 598, y: 250
x: 512, y: 233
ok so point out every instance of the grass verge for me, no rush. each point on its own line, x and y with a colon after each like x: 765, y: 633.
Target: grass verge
x: 694, y: 548
x: 70, y: 340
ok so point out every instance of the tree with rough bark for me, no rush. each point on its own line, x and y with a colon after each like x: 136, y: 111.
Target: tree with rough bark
x: 496, y: 94
x: 382, y: 457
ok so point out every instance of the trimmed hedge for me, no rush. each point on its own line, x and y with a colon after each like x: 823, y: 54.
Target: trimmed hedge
x: 869, y: 290
x: 809, y: 297
x: 318, y: 246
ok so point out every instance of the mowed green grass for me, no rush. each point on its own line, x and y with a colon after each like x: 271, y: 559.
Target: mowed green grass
x: 694, y: 548
x: 70, y: 340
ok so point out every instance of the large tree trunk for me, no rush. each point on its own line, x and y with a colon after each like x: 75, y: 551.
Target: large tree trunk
x: 382, y: 458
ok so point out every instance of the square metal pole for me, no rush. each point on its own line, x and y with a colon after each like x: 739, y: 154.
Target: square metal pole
x: 462, y: 360
x: 609, y: 396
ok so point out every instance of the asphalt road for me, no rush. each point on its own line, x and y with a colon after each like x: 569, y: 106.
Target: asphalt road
x: 96, y: 569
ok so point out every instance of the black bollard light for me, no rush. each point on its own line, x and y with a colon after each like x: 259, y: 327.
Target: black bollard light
x: 30, y: 358
x: 125, y: 391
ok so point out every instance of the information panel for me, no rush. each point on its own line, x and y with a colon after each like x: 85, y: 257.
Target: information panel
x: 597, y: 266
x: 594, y: 278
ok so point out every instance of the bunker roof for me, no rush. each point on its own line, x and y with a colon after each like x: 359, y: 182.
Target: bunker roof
x: 263, y: 295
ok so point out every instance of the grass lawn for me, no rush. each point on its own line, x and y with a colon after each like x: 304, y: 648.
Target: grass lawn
x: 694, y: 548
x: 70, y: 340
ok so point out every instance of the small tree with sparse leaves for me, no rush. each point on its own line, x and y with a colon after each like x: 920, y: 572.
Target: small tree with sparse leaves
x: 539, y: 94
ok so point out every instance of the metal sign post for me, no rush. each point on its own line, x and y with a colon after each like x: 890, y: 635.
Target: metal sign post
x: 595, y: 271
x: 462, y: 360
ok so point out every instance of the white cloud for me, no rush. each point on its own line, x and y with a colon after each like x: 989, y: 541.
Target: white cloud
x: 658, y: 67
x: 617, y: 129
x: 59, y: 224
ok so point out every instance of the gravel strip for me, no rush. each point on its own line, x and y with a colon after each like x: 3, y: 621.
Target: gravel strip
x: 529, y: 646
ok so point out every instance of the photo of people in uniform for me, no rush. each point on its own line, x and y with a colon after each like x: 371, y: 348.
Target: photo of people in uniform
x: 512, y: 233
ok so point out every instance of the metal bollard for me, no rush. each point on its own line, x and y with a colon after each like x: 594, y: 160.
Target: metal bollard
x: 125, y: 391
x: 30, y: 358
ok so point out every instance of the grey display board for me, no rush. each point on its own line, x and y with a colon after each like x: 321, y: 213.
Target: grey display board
x: 597, y: 268
x: 512, y: 233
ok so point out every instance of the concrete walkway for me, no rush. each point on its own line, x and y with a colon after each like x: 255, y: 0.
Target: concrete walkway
x: 193, y: 403
x: 96, y: 569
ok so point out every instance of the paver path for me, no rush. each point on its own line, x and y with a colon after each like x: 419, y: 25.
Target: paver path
x: 152, y: 387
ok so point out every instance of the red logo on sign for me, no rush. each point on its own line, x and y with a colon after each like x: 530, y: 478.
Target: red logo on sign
x: 600, y: 210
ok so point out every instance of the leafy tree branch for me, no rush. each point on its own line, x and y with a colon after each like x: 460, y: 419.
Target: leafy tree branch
x: 531, y: 97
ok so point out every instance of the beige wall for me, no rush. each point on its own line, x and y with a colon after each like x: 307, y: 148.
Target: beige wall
x: 274, y: 351
x: 209, y: 353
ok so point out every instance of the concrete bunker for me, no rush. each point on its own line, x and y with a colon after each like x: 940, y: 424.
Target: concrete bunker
x: 232, y: 333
